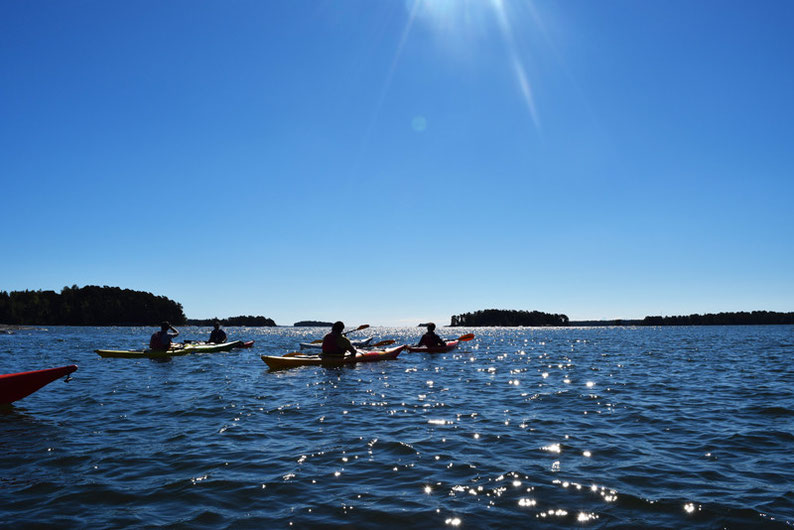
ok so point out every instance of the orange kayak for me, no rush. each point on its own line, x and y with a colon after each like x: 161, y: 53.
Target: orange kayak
x: 14, y: 387
x: 293, y: 361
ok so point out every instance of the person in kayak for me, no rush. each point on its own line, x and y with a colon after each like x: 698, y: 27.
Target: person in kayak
x: 161, y: 340
x: 218, y: 336
x: 335, y: 344
x: 430, y: 339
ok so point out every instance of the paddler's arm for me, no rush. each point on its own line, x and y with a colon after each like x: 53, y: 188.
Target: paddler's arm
x: 176, y: 332
x: 347, y: 345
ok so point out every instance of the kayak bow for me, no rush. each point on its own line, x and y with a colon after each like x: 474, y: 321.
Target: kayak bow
x: 14, y: 387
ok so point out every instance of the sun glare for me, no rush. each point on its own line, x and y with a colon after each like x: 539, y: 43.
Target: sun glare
x: 468, y: 20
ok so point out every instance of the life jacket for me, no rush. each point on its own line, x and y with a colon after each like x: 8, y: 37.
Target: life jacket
x: 334, y: 344
x: 431, y: 340
x: 160, y: 341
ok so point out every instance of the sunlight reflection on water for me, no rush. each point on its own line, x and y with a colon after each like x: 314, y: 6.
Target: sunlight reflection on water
x: 517, y: 432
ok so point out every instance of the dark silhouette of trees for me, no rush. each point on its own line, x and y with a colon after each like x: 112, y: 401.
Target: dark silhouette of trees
x: 251, y: 321
x: 88, y: 306
x: 595, y: 323
x: 722, y: 319
x: 508, y: 317
x: 312, y: 323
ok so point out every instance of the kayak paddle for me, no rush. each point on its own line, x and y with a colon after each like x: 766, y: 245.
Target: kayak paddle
x: 464, y: 338
x: 382, y: 343
x: 362, y: 326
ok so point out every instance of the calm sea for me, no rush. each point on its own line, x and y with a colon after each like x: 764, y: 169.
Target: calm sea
x: 579, y: 427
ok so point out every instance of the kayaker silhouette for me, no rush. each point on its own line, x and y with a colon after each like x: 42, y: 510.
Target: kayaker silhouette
x: 335, y: 344
x: 218, y: 336
x: 161, y: 340
x: 430, y: 339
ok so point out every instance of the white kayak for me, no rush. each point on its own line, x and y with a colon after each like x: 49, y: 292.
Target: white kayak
x: 319, y: 345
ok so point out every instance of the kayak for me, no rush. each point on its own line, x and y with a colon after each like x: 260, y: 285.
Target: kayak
x: 293, y: 361
x: 319, y: 345
x: 451, y: 345
x: 16, y: 386
x: 173, y: 352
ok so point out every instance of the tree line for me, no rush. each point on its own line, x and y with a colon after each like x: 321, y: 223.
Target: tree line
x: 508, y: 317
x: 722, y: 319
x: 251, y: 321
x: 88, y: 306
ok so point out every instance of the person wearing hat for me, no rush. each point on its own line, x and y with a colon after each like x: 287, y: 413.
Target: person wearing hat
x: 335, y: 344
x: 161, y: 340
x: 430, y: 339
x: 218, y: 336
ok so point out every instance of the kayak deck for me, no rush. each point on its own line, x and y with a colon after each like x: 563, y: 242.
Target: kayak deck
x: 293, y: 361
x: 451, y: 345
x: 174, y: 352
x: 14, y: 387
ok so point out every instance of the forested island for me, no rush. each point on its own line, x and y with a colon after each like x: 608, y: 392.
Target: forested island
x: 740, y: 318
x: 615, y: 322
x: 103, y: 306
x: 312, y: 324
x: 250, y: 321
x: 508, y: 317
x: 88, y: 306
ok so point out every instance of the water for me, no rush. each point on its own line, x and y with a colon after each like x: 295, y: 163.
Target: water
x: 593, y: 427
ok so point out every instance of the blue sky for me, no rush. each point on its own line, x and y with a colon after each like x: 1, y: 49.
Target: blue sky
x: 391, y: 162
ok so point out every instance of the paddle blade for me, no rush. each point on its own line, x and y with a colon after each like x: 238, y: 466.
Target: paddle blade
x: 318, y: 341
x: 292, y: 354
x: 362, y: 326
x: 382, y: 343
x: 467, y: 336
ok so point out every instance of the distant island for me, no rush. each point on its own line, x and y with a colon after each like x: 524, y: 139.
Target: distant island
x: 250, y: 321
x: 741, y: 318
x: 615, y: 322
x: 88, y: 306
x: 312, y: 324
x: 507, y: 317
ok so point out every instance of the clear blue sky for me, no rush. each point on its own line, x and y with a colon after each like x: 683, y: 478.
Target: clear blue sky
x: 390, y: 162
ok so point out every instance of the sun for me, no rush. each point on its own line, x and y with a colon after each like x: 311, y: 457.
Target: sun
x: 465, y: 21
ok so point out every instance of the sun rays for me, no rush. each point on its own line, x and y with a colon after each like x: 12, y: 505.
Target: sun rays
x: 470, y: 20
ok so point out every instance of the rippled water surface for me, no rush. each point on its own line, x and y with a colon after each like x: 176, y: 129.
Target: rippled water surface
x: 592, y: 427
